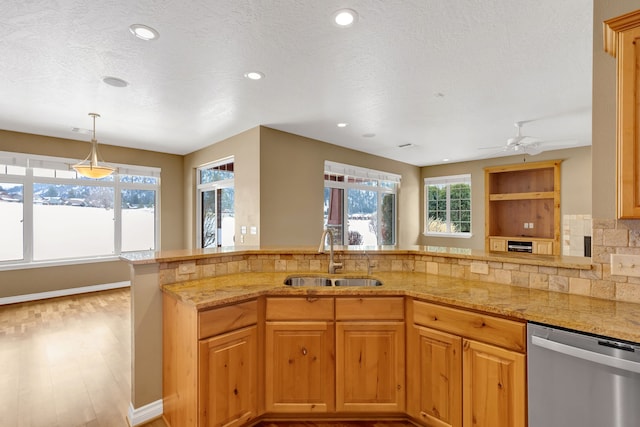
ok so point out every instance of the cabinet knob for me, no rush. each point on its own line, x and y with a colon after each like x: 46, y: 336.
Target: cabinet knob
x: 304, y: 351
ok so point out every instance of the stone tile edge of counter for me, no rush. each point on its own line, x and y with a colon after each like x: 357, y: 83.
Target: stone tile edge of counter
x: 582, y: 313
x: 150, y: 257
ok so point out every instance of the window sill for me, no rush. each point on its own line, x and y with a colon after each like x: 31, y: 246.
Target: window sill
x: 454, y: 235
x: 56, y: 263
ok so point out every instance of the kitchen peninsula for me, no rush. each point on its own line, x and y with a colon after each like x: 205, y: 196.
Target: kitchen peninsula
x: 484, y: 291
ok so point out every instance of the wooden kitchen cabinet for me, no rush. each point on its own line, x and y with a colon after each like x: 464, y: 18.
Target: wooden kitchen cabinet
x: 228, y: 378
x: 483, y: 386
x: 210, y: 366
x: 522, y: 204
x: 622, y: 40
x: 435, y: 382
x: 299, y: 356
x: 370, y: 349
x: 494, y: 386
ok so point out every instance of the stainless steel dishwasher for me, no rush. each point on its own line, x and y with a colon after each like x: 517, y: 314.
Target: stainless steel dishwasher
x: 580, y: 380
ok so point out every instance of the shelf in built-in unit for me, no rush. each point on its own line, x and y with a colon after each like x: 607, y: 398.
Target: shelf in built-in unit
x: 523, y: 200
x: 522, y: 196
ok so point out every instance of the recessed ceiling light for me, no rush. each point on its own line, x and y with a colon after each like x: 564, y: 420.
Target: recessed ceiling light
x: 445, y: 160
x: 342, y: 125
x: 115, y: 81
x: 254, y: 75
x: 345, y: 17
x: 144, y: 32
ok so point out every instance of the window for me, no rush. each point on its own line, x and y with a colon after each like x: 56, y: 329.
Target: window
x: 50, y: 213
x: 216, y: 198
x: 448, y: 206
x: 366, y: 198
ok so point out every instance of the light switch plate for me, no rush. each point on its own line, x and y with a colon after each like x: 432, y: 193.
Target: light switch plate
x: 625, y: 265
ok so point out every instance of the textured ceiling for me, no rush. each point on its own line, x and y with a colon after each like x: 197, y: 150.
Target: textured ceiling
x: 447, y: 77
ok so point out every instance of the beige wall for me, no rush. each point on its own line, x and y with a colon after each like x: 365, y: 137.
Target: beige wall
x: 245, y: 147
x: 575, y: 189
x: 292, y: 186
x: 604, y: 110
x: 44, y: 279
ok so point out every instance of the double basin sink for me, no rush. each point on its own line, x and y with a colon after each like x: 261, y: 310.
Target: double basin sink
x: 326, y: 281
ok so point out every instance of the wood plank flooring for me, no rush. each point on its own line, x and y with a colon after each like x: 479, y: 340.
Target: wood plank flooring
x: 66, y: 361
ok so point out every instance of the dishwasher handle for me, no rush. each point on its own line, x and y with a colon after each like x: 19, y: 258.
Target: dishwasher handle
x: 602, y: 359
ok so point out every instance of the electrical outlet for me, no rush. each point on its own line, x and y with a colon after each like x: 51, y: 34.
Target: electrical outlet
x: 187, y: 267
x: 530, y: 225
x: 625, y: 265
x: 526, y: 225
x: 480, y: 268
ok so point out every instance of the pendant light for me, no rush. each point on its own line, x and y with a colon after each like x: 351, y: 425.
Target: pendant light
x: 90, y: 167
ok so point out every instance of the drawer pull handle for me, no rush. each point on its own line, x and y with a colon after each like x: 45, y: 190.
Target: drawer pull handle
x: 312, y: 299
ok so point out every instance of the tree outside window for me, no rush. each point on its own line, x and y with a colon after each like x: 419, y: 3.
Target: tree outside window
x: 448, y: 205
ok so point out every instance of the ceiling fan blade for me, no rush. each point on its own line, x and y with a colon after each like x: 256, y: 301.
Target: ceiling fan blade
x: 532, y: 149
x: 495, y: 147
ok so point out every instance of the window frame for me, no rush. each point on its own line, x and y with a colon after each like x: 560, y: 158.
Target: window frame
x: 360, y: 175
x: 31, y: 161
x: 447, y: 180
x: 210, y: 186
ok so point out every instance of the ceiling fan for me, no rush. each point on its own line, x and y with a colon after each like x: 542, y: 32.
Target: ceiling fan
x: 520, y: 143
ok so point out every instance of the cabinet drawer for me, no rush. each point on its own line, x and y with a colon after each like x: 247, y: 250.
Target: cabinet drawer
x: 219, y: 320
x: 303, y: 308
x: 492, y: 330
x: 370, y: 308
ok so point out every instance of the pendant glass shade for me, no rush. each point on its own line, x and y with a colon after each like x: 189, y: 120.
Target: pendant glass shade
x: 90, y: 167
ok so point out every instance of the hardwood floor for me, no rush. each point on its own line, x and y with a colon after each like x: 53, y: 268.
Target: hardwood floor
x: 66, y: 361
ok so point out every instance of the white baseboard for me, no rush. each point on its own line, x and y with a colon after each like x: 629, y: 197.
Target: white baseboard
x: 63, y: 292
x: 145, y: 413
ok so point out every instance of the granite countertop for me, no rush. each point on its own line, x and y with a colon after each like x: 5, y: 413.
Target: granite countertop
x: 150, y: 257
x: 614, y: 319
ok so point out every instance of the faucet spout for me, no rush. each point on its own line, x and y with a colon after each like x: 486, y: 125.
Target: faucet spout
x: 333, y: 266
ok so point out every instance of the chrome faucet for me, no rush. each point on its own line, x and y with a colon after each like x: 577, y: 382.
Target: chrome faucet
x: 333, y: 266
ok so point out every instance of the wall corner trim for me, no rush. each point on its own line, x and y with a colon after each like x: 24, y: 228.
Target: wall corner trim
x: 145, y: 413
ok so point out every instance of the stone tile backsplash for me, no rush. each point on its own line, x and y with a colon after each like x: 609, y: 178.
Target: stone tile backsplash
x: 608, y: 237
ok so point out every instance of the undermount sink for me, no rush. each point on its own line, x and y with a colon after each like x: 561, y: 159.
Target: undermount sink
x: 307, y: 281
x: 353, y: 281
x: 325, y: 281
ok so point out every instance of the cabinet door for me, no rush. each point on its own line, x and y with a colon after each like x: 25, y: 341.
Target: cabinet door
x: 227, y: 379
x: 628, y: 144
x: 494, y: 386
x: 299, y: 371
x: 543, y: 248
x: 497, y: 245
x: 435, y: 380
x: 370, y: 367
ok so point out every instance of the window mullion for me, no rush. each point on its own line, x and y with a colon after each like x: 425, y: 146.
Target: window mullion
x: 27, y: 216
x: 345, y: 215
x: 117, y: 216
x: 448, y: 203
